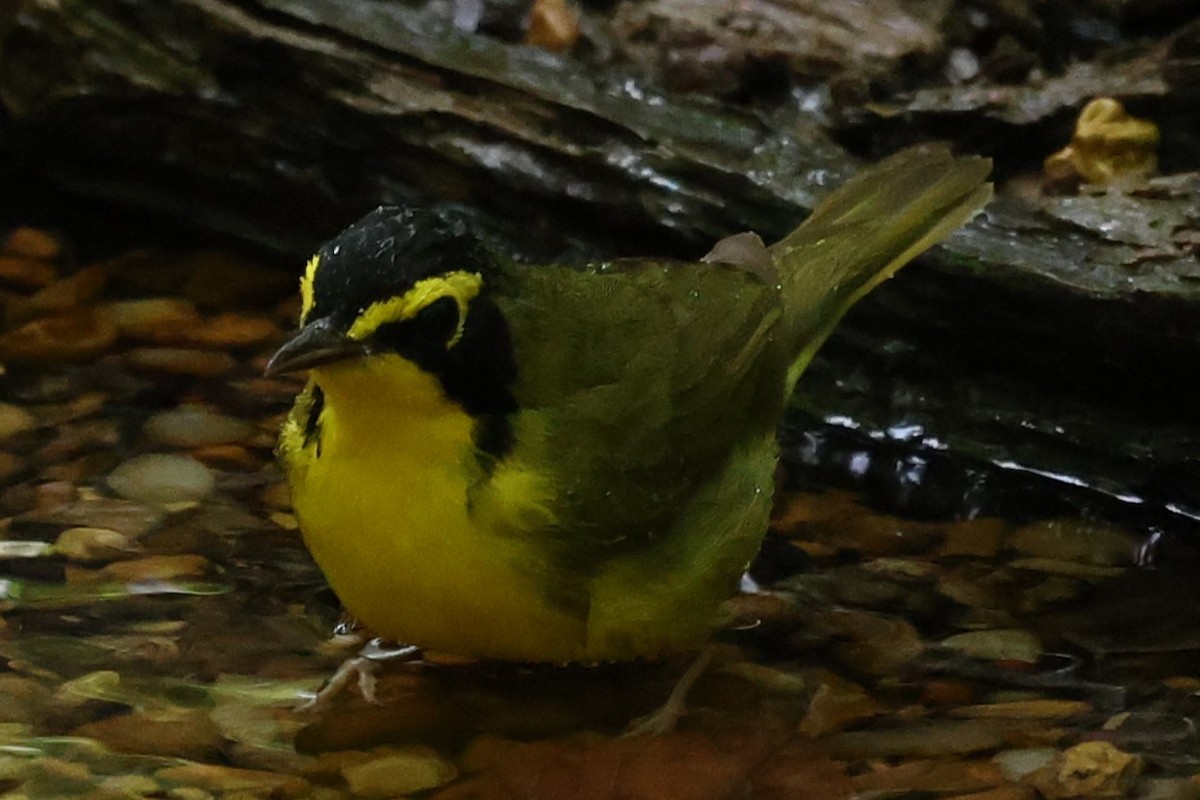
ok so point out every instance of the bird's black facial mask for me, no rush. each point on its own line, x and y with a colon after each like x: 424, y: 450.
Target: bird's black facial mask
x: 407, y: 282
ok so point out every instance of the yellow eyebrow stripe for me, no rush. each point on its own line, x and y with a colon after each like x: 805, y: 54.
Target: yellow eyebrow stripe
x: 306, y: 288
x: 462, y: 287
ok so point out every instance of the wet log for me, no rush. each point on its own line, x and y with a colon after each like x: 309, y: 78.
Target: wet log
x: 279, y: 121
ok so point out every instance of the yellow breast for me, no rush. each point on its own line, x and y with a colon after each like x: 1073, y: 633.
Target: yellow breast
x: 384, y: 510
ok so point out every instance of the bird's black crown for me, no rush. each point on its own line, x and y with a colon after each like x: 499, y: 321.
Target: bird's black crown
x: 385, y: 253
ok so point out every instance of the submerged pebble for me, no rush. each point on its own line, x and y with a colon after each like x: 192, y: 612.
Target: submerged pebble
x: 185, y: 733
x: 69, y: 337
x: 160, y: 478
x: 158, y: 320
x: 24, y: 273
x: 14, y: 420
x: 1016, y: 764
x: 997, y: 645
x: 1088, y: 770
x: 233, y: 330
x: 399, y: 772
x: 1080, y: 541
x: 180, y: 361
x: 93, y: 544
x: 196, y: 426
x: 925, y: 740
x: 32, y: 243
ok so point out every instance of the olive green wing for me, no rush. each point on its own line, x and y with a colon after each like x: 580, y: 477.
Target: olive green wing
x: 637, y: 381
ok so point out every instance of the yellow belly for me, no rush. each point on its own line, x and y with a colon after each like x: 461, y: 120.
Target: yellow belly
x: 385, y: 512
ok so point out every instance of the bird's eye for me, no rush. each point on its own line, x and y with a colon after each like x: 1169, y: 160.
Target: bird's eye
x: 423, y: 337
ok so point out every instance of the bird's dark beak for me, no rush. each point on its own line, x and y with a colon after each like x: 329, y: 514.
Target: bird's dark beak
x: 314, y: 345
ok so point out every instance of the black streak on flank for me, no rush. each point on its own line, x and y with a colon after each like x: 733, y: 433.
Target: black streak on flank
x: 312, y: 424
x: 494, y: 439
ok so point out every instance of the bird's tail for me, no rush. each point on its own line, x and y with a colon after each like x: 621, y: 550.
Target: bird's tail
x: 864, y: 232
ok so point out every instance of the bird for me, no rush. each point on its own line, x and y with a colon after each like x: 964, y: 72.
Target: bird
x: 575, y: 462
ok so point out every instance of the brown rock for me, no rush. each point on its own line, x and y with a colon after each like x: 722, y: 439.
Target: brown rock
x: 11, y: 465
x: 184, y: 733
x: 394, y: 772
x: 158, y: 568
x: 176, y: 361
x: 552, y: 26
x: 25, y: 274
x: 32, y: 243
x: 78, y: 336
x: 22, y: 700
x: 255, y: 783
x: 227, y: 457
x: 1087, y: 542
x: 874, y: 644
x: 1087, y: 770
x: 976, y: 538
x: 94, y: 544
x: 155, y: 320
x: 130, y: 519
x: 920, y: 740
x: 233, y: 331
x: 999, y: 793
x: 14, y: 420
x: 936, y: 776
x: 62, y: 296
x: 837, y: 703
x: 220, y: 279
x: 1024, y: 709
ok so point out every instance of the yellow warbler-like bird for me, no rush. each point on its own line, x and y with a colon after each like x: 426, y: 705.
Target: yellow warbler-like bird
x: 568, y: 463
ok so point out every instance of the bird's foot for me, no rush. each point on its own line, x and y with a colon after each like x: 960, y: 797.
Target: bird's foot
x: 362, y: 669
x: 666, y: 717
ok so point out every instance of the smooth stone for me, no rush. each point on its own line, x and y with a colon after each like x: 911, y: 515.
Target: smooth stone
x: 997, y: 645
x: 160, y: 320
x: 93, y: 544
x: 874, y: 644
x: 160, y: 478
x: 22, y: 700
x: 130, y: 519
x: 1024, y: 709
x: 214, y: 777
x: 11, y: 465
x: 1016, y: 764
x: 399, y: 772
x: 32, y: 243
x: 61, y: 297
x: 77, y: 336
x: 184, y: 733
x: 1081, y: 541
x: 195, y: 426
x: 14, y: 420
x: 180, y: 361
x: 158, y: 568
x: 233, y: 330
x: 24, y: 273
x: 836, y: 704
x: 920, y: 740
x: 1088, y: 770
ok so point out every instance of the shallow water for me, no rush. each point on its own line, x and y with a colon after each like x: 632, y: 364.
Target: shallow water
x: 162, y: 621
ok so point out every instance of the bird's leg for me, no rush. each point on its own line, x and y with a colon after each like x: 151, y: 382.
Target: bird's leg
x: 665, y: 717
x: 361, y: 669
